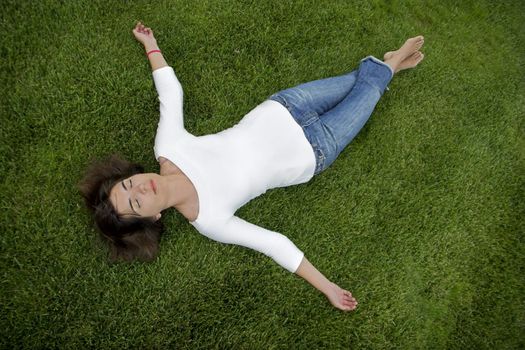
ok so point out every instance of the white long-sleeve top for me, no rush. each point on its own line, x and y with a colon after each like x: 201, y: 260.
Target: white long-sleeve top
x: 266, y: 149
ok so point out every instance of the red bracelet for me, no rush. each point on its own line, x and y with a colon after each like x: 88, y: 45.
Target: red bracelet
x: 152, y: 51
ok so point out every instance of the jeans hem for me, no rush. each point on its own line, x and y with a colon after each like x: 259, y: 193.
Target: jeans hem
x: 377, y: 60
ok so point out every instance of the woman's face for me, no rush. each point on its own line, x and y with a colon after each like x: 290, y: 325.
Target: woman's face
x: 138, y: 195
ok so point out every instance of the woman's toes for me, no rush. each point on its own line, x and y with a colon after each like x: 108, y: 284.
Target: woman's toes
x: 418, y: 57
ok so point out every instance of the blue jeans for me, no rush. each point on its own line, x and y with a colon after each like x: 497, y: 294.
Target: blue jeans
x: 332, y: 111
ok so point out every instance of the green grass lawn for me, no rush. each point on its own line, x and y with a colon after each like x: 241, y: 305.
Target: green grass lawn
x: 421, y: 217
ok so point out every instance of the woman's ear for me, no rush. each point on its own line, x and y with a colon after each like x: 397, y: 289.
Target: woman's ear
x: 157, y: 216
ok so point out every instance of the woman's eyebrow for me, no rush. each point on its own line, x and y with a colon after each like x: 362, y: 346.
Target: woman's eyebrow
x: 124, y: 185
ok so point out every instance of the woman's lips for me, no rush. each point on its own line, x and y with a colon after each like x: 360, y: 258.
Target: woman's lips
x: 153, y: 187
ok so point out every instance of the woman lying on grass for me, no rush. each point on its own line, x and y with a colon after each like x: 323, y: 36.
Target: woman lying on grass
x: 286, y: 140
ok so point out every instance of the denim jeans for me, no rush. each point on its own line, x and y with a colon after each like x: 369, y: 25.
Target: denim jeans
x: 332, y: 111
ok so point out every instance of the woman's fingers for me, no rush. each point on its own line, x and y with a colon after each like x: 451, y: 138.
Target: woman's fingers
x: 349, y: 298
x: 347, y: 305
x: 352, y: 305
x: 349, y: 301
x: 141, y: 28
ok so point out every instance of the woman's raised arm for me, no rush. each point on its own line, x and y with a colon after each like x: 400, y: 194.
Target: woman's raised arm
x: 145, y: 36
x: 171, y: 123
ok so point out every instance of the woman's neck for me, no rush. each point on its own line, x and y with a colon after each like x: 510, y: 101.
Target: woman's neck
x: 181, y: 195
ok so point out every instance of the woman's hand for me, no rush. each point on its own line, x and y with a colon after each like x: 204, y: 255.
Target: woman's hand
x: 340, y: 298
x: 144, y: 35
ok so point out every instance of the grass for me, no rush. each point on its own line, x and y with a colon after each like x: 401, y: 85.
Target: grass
x: 421, y: 217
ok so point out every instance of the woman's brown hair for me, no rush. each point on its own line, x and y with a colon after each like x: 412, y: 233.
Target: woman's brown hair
x: 128, y: 238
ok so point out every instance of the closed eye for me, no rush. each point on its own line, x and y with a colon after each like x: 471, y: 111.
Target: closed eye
x: 124, y: 185
x: 129, y: 200
x: 136, y: 201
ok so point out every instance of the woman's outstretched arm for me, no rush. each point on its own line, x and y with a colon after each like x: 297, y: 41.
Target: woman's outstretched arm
x: 340, y: 298
x: 145, y: 36
x: 284, y: 252
x: 171, y: 123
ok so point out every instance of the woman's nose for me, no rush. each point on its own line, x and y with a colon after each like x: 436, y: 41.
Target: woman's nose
x: 142, y: 188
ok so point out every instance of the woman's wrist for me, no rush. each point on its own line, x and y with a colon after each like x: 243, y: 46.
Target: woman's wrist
x: 328, y: 288
x: 151, y: 46
x: 154, y: 55
x: 307, y: 271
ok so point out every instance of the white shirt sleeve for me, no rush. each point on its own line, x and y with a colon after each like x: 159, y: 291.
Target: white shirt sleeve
x: 273, y: 244
x: 171, y: 123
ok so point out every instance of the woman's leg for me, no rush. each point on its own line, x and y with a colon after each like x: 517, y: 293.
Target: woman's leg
x: 316, y: 96
x: 337, y: 127
x: 344, y: 121
x: 321, y: 95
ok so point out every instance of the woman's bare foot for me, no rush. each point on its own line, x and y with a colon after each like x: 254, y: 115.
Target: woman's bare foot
x: 409, y: 62
x: 388, y: 55
x: 394, y: 58
x: 409, y: 47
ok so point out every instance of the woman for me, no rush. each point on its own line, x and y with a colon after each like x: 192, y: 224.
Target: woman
x: 294, y: 135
